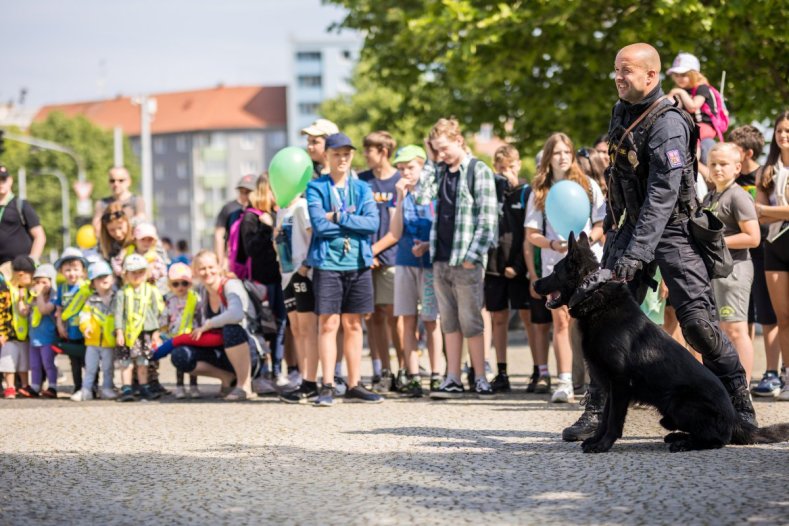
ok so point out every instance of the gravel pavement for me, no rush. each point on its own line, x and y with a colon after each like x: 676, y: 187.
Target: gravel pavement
x: 493, y: 461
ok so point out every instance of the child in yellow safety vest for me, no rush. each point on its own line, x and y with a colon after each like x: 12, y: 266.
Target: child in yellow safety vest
x: 14, y: 357
x: 138, y: 307
x: 181, y: 314
x: 71, y: 296
x: 97, y: 323
x: 43, y: 333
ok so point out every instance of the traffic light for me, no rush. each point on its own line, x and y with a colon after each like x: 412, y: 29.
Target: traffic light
x: 2, y: 142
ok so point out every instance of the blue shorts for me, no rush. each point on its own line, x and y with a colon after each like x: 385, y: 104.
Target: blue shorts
x: 343, y: 291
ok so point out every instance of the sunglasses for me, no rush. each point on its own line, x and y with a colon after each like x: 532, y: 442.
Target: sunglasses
x: 113, y: 181
x: 111, y: 216
x: 178, y: 284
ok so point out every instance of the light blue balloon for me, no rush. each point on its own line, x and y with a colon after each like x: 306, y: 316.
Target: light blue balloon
x: 567, y: 208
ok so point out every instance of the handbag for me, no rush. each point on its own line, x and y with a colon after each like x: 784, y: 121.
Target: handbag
x: 707, y: 231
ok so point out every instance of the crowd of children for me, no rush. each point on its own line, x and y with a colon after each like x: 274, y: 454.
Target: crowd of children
x: 430, y: 242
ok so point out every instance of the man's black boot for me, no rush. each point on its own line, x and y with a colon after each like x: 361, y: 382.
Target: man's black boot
x: 741, y: 400
x: 586, y: 425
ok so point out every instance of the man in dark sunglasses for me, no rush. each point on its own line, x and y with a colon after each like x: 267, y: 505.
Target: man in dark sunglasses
x: 133, y: 205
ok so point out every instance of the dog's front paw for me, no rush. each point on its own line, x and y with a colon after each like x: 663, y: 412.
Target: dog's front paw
x: 675, y: 437
x: 680, y: 445
x: 600, y: 446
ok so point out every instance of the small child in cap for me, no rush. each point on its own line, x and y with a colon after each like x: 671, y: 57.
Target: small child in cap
x: 71, y: 297
x: 182, y: 313
x: 97, y: 323
x: 14, y: 355
x: 138, y: 307
x: 146, y: 244
x: 43, y: 332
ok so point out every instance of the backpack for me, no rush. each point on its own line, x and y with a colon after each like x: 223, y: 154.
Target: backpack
x: 237, y: 260
x: 719, y: 115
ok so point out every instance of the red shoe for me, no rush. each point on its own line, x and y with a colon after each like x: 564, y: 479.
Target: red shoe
x: 9, y: 393
x: 27, y: 392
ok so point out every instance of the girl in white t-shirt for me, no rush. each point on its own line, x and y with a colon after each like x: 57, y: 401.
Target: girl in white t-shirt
x: 293, y: 236
x: 559, y: 162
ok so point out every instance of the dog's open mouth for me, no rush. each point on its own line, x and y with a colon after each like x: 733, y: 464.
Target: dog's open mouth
x: 553, y: 299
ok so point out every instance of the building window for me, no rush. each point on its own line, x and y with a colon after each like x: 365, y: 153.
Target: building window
x: 183, y: 196
x: 308, y: 108
x: 181, y: 169
x: 218, y: 140
x: 158, y: 171
x: 183, y: 223
x: 308, y: 56
x: 310, y: 81
x: 248, y: 141
x: 159, y: 145
x: 180, y: 143
x: 249, y: 167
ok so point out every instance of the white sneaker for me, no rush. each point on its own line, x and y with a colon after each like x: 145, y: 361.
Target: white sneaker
x: 194, y: 392
x: 263, y: 385
x: 282, y: 380
x: 180, y: 393
x: 564, y: 392
x: 82, y: 395
x: 108, y: 394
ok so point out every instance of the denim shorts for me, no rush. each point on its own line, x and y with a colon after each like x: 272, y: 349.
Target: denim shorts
x: 460, y: 294
x: 343, y: 291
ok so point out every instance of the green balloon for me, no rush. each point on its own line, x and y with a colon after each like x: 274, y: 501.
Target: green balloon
x: 289, y: 172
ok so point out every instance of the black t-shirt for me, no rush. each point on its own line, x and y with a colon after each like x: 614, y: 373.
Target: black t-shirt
x: 384, y: 195
x: 704, y: 91
x: 15, y: 239
x: 223, y: 219
x: 445, y: 229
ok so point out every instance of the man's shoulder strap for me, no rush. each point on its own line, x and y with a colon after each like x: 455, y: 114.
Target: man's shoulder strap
x: 20, y: 207
x: 471, y: 173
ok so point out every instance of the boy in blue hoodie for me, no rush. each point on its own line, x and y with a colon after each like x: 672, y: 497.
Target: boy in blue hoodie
x: 343, y: 215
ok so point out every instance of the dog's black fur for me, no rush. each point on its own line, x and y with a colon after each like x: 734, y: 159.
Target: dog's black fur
x: 636, y: 361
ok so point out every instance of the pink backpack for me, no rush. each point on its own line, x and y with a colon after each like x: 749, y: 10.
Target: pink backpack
x: 238, y: 262
x: 719, y: 115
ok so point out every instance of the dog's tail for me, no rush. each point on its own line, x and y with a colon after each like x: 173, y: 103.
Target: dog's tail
x: 745, y: 434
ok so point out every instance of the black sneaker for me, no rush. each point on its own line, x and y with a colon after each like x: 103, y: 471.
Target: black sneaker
x: 586, y: 426
x: 127, y: 394
x: 413, y: 388
x: 303, y: 395
x: 361, y: 394
x: 435, y: 382
x: 449, y: 389
x: 401, y: 380
x: 325, y: 396
x: 157, y: 387
x: 501, y: 383
x: 146, y: 393
x: 535, y: 375
x: 741, y: 400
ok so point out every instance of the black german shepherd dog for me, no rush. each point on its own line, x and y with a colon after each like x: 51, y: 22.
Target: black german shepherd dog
x: 636, y: 361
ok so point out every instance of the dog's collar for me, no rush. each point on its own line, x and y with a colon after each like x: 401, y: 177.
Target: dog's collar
x: 588, y: 288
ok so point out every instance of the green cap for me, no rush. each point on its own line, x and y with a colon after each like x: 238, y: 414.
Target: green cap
x: 409, y: 153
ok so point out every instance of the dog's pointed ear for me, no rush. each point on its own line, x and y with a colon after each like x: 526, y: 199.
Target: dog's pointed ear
x: 583, y: 239
x: 571, y: 241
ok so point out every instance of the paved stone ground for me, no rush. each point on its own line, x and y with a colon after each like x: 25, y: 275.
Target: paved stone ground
x: 497, y: 461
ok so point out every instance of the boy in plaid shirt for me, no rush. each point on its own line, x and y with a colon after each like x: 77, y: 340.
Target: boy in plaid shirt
x: 465, y: 228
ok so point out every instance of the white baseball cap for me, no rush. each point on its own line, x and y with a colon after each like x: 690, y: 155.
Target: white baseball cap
x: 683, y: 63
x: 321, y: 128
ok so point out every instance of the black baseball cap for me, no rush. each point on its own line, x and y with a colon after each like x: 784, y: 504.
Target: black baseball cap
x: 23, y: 264
x: 338, y: 140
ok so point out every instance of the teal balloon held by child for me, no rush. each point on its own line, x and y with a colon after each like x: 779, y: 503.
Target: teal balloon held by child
x: 289, y: 172
x: 567, y: 208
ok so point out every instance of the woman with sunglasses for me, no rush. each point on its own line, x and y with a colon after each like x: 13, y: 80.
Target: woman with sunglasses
x: 132, y: 205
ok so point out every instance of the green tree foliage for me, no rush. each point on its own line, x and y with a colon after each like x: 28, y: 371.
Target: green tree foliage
x: 534, y: 67
x: 93, y: 144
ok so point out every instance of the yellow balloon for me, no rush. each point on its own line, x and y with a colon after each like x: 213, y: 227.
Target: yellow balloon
x: 86, y: 237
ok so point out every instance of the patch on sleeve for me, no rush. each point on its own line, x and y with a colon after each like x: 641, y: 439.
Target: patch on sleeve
x: 674, y: 158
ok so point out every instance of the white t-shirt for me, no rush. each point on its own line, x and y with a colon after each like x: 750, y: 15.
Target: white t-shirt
x: 293, y: 238
x: 534, y: 219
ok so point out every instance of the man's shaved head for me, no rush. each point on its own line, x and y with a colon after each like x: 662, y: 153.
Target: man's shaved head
x: 637, y: 71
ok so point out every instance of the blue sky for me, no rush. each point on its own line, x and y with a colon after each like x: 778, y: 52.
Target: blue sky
x: 67, y: 51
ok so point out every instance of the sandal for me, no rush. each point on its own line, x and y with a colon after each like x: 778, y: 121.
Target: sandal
x: 236, y: 394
